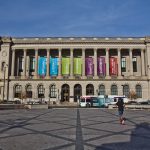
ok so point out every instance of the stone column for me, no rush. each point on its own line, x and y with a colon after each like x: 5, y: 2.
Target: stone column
x: 131, y: 63
x: 47, y: 69
x: 24, y: 65
x: 13, y: 62
x: 83, y: 63
x: 36, y: 63
x: 119, y: 63
x: 71, y: 63
x: 143, y: 62
x: 95, y: 64
x: 107, y: 63
x: 59, y: 71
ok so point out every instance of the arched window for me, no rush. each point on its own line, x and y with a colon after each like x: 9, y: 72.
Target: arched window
x: 101, y: 90
x: 114, y: 90
x: 139, y: 91
x: 41, y: 91
x: 17, y: 91
x: 126, y: 90
x: 52, y: 91
x: 29, y: 91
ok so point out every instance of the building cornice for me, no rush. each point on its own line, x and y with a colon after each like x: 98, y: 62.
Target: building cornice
x: 75, y: 40
x: 6, y: 40
x: 78, y: 40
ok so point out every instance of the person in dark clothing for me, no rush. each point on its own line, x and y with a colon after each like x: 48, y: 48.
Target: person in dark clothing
x: 120, y: 104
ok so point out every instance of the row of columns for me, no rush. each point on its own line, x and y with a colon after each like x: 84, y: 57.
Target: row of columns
x: 83, y: 58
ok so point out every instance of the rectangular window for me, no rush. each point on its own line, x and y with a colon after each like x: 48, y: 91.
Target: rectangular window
x: 32, y: 64
x: 53, y: 92
x: 21, y: 60
x: 134, y: 61
x: 123, y: 64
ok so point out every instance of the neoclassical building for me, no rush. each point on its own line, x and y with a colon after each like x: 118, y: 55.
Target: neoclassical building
x: 64, y: 68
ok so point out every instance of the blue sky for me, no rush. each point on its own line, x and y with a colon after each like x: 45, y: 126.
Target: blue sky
x: 75, y: 18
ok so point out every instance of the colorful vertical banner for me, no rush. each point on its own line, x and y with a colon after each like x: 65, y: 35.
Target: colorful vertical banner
x: 77, y: 66
x: 113, y: 66
x: 65, y: 66
x: 101, y: 67
x: 116, y: 66
x: 89, y: 66
x: 53, y: 66
x: 42, y: 66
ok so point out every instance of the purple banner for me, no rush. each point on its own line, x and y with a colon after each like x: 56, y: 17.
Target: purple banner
x: 89, y: 67
x: 101, y: 67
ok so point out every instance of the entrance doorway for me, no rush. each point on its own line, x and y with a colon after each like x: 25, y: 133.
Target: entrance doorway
x: 77, y: 92
x: 89, y: 89
x: 65, y: 93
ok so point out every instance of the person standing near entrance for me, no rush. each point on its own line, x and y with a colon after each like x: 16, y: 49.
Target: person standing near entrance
x: 120, y: 104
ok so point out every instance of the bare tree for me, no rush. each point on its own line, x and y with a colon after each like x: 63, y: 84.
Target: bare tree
x: 132, y: 95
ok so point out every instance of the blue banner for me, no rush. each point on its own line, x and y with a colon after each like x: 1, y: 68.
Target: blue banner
x: 53, y: 66
x: 42, y: 66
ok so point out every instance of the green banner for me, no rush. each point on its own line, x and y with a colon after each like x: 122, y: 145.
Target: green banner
x: 77, y: 66
x: 65, y: 66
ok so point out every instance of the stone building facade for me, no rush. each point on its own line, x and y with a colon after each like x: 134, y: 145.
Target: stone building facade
x: 20, y: 71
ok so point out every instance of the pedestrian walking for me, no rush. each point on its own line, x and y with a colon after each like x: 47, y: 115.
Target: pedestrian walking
x: 120, y: 104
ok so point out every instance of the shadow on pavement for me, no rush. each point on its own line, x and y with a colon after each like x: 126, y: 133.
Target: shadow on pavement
x: 140, y: 140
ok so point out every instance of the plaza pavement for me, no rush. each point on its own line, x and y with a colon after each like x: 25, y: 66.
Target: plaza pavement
x: 74, y: 129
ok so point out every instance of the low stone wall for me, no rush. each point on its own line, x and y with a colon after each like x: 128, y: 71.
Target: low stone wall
x: 36, y: 106
x: 11, y: 106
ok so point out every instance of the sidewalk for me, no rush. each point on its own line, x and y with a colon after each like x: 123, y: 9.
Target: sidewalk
x: 74, y: 129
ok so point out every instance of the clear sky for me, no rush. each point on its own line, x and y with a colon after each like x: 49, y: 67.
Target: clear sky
x: 75, y: 18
